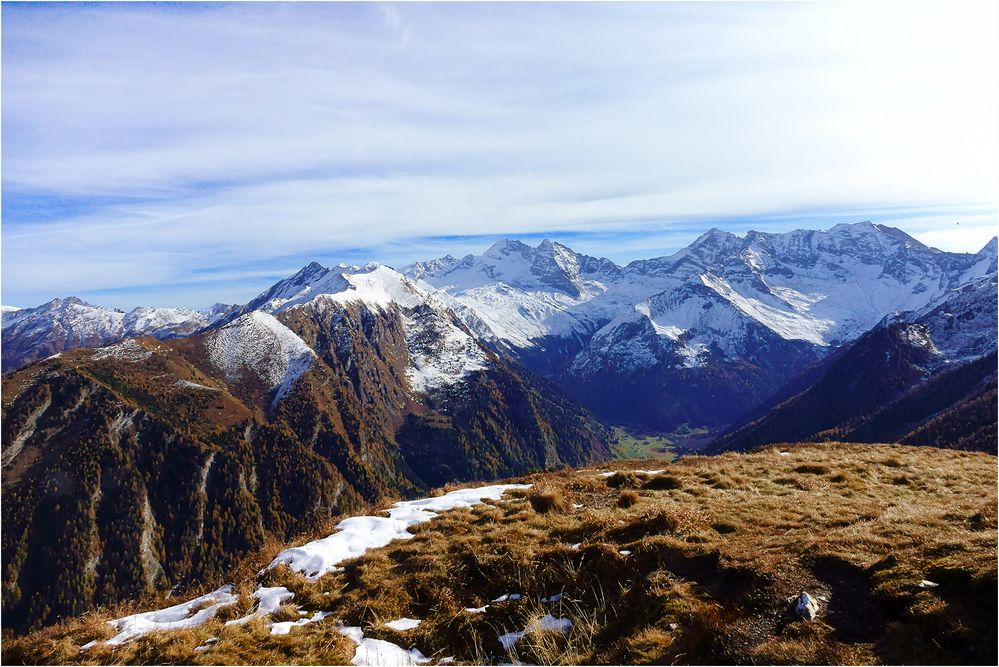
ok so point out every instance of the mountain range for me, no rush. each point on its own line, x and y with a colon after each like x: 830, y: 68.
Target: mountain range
x: 155, y: 448
x: 696, y: 339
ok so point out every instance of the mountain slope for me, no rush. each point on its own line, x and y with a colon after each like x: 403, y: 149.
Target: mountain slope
x: 949, y: 410
x: 701, y: 563
x: 900, y: 374
x: 149, y: 464
x: 727, y: 319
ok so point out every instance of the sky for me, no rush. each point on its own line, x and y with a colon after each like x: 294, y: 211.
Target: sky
x: 178, y: 155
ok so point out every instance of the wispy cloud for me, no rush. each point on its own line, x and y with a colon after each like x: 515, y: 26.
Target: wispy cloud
x: 172, y: 153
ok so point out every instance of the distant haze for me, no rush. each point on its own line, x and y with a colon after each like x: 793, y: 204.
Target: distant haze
x: 181, y: 154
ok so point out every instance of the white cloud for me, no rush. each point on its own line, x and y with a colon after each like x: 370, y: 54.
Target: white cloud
x: 248, y: 133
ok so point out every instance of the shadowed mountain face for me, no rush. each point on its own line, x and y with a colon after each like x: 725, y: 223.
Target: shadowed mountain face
x: 921, y: 378
x: 147, y: 464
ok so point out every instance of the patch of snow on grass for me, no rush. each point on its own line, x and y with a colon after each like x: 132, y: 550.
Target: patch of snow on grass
x: 380, y: 653
x: 640, y: 472
x: 189, y: 614
x: 547, y: 623
x: 403, y: 624
x: 284, y: 627
x: 211, y: 641
x: 358, y: 534
x: 269, y: 601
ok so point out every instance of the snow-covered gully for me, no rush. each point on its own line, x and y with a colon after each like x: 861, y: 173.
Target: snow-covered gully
x: 352, y: 538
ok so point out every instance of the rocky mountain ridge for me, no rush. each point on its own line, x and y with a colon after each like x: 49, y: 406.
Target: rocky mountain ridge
x: 726, y: 321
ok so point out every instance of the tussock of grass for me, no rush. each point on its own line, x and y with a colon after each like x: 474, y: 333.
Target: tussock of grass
x: 711, y: 558
x: 546, y: 499
x: 627, y: 499
x: 662, y: 483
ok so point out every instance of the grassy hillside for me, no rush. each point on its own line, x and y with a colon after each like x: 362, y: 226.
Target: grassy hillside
x: 695, y: 564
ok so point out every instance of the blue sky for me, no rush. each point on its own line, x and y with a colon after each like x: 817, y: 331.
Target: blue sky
x: 182, y: 154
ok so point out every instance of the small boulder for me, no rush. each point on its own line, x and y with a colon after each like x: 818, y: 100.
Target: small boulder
x: 806, y: 607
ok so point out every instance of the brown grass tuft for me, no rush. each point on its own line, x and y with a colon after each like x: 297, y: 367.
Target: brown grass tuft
x: 546, y: 499
x: 663, y: 483
x: 627, y: 499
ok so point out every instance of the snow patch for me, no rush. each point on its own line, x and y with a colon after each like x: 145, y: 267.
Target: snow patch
x: 357, y: 535
x: 788, y: 325
x: 917, y: 336
x: 547, y: 623
x: 441, y: 353
x: 640, y: 472
x: 381, y: 653
x: 189, y: 614
x: 269, y: 600
x: 403, y: 624
x: 284, y: 627
x: 211, y: 641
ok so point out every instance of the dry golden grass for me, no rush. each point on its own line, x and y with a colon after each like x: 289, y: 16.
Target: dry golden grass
x: 713, y: 550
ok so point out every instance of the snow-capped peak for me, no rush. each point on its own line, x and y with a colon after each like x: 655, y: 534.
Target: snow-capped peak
x: 373, y: 284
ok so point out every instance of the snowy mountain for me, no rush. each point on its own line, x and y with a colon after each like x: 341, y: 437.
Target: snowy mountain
x: 441, y: 350
x: 152, y: 464
x: 754, y: 310
x: 30, y: 334
x: 349, y: 384
x: 961, y: 323
x: 894, y: 379
x: 820, y: 287
x: 696, y: 337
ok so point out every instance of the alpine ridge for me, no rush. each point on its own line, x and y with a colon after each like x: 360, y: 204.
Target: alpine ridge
x: 699, y: 338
